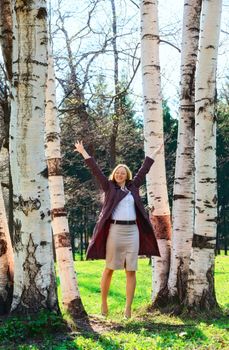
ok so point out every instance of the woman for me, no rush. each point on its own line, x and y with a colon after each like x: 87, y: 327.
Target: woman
x: 123, y: 230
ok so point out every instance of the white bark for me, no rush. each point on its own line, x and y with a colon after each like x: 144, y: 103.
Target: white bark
x: 183, y: 194
x: 201, y: 274
x: 34, y: 286
x: 68, y: 282
x: 153, y: 132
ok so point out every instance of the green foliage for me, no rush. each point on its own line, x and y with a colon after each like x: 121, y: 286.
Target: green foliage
x: 17, y: 329
x: 223, y: 173
x: 170, y: 137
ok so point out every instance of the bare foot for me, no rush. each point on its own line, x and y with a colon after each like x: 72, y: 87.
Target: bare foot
x: 127, y: 313
x: 104, y: 309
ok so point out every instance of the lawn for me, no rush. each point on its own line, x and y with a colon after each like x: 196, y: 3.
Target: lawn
x: 145, y: 331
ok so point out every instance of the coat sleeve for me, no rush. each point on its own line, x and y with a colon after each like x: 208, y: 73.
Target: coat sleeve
x: 96, y: 171
x: 140, y: 176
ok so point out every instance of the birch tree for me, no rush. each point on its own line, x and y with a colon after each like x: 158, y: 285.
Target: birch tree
x: 6, y: 251
x: 69, y: 287
x: 200, y: 288
x: 117, y: 107
x: 183, y: 194
x: 6, y: 34
x: 6, y: 260
x: 153, y: 133
x: 34, y: 283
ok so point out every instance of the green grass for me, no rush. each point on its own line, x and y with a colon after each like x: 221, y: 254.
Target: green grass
x: 145, y: 331
x: 89, y: 275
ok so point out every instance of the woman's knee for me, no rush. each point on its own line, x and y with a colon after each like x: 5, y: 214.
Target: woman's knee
x: 130, y: 273
x: 108, y: 272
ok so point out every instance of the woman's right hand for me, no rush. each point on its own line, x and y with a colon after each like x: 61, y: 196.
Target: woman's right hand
x: 79, y: 147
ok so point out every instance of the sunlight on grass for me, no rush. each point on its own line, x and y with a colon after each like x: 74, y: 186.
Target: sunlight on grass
x: 89, y: 275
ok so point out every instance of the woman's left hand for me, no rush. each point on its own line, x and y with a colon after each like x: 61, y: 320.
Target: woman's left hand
x: 157, y: 150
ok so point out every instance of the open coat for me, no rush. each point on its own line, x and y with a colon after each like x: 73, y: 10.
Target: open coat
x: 113, y: 195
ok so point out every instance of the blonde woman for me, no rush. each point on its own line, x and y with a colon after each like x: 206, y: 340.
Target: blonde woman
x: 123, y: 230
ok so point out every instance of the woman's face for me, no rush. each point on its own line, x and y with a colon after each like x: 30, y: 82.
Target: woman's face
x: 120, y: 175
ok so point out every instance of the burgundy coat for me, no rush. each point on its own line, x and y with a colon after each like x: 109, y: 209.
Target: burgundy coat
x: 113, y: 195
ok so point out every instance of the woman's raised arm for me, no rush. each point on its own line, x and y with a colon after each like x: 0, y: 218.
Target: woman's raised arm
x: 140, y: 176
x: 91, y: 163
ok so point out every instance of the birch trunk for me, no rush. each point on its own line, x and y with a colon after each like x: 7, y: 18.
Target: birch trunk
x: 6, y: 34
x: 68, y: 282
x: 200, y: 288
x: 117, y: 102
x: 6, y: 251
x: 6, y: 260
x: 183, y: 193
x: 74, y: 91
x: 34, y: 283
x: 153, y: 132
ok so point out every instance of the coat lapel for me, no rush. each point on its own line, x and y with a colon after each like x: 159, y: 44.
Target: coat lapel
x: 119, y: 195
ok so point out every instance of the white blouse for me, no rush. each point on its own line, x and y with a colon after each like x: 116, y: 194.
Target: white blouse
x: 125, y: 210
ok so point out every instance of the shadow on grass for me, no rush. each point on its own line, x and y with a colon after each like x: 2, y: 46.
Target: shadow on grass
x: 51, y: 332
x: 114, y: 335
x: 47, y: 331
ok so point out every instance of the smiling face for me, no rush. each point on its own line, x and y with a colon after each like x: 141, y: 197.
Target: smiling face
x: 120, y: 176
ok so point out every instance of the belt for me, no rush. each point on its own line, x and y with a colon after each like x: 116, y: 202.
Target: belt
x: 123, y: 222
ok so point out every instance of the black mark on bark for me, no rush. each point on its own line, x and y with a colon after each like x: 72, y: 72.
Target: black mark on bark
x: 201, y: 242
x: 42, y: 13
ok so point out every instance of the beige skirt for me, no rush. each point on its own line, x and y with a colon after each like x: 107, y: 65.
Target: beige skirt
x: 122, y: 247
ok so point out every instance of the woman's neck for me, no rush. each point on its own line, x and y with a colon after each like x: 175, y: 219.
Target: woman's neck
x: 121, y: 184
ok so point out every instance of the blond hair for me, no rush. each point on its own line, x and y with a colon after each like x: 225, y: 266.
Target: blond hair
x: 128, y: 172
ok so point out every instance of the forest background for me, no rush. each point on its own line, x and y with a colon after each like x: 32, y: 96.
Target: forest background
x: 97, y: 61
x: 98, y: 65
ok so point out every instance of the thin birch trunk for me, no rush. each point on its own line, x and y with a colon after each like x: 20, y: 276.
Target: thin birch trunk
x: 117, y: 104
x: 6, y: 251
x: 34, y: 279
x: 68, y: 282
x: 6, y: 34
x: 74, y: 90
x: 153, y: 132
x: 6, y: 260
x: 200, y: 288
x: 183, y: 194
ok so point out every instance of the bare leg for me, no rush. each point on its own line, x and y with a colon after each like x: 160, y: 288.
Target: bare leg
x: 105, y: 286
x: 130, y: 289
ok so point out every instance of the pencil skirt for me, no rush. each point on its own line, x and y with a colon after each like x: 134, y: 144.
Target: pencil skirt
x: 122, y: 247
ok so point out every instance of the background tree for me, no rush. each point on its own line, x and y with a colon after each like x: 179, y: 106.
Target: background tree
x: 222, y: 143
